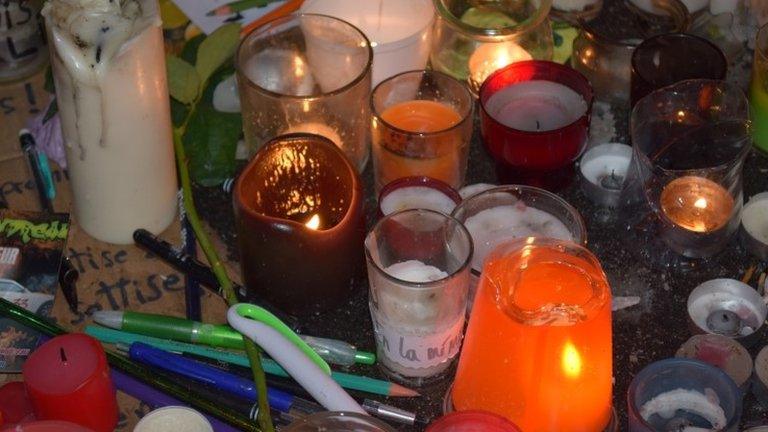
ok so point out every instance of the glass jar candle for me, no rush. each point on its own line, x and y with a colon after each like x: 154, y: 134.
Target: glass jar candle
x: 605, y: 62
x: 108, y: 64
x: 550, y: 303
x: 306, y: 73
x: 471, y: 40
x: 758, y: 91
x: 22, y: 46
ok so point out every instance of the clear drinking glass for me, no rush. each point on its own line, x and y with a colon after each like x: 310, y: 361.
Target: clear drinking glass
x: 473, y: 39
x: 422, y: 126
x: 605, y: 61
x: 306, y: 73
x: 418, y: 269
x: 689, y: 144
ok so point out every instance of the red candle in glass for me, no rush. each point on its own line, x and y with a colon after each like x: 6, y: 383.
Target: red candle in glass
x: 300, y: 224
x: 67, y: 378
x: 534, y: 121
x: 14, y: 403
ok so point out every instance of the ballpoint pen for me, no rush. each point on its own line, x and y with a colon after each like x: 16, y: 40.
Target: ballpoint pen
x: 221, y: 336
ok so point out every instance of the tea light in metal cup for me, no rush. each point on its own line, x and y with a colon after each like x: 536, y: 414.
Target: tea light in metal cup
x: 174, y: 418
x: 683, y: 395
x: 417, y: 193
x: 729, y: 308
x: 754, y: 226
x: 723, y: 353
x: 604, y: 171
x: 760, y: 386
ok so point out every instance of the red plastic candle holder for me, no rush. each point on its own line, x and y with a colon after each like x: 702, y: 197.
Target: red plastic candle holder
x: 542, y: 158
x: 67, y: 378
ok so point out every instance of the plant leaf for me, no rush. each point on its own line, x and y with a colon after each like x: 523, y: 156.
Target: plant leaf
x: 217, y: 48
x: 179, y: 112
x: 189, y: 52
x: 183, y: 81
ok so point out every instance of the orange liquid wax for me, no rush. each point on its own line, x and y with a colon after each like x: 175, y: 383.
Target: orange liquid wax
x: 543, y: 377
x: 441, y: 156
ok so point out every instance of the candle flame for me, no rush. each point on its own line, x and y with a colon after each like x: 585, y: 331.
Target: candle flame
x: 313, y: 223
x: 490, y: 57
x: 700, y: 203
x: 571, y: 361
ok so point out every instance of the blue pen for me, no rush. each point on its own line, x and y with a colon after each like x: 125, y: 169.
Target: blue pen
x: 215, y: 377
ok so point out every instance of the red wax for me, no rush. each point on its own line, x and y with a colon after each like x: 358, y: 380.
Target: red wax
x: 14, y: 404
x: 47, y: 426
x: 67, y: 378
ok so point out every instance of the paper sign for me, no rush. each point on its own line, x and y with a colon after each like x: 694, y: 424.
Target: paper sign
x: 197, y: 11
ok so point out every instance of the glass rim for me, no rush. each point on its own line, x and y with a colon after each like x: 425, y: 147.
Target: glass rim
x: 498, y: 34
x: 677, y: 35
x: 665, y: 364
x: 743, y: 152
x: 419, y: 181
x: 366, y: 70
x: 464, y: 116
x: 590, y: 99
x: 314, y: 139
x: 762, y: 33
x: 593, y: 34
x: 404, y: 284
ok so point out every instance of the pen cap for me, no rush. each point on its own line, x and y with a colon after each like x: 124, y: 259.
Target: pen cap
x: 472, y: 421
x: 338, y: 421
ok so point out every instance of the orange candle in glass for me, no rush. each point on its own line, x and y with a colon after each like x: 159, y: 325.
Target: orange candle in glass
x: 549, y: 302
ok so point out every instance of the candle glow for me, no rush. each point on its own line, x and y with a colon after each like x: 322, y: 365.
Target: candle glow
x: 313, y: 223
x: 490, y: 57
x: 696, y: 204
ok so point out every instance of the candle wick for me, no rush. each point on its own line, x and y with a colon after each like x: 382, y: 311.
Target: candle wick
x: 538, y: 126
x: 63, y: 355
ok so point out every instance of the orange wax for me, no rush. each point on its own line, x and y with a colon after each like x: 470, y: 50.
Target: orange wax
x: 424, y: 145
x: 543, y: 370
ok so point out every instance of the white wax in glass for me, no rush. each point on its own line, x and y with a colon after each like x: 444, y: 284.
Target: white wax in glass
x: 536, y: 105
x: 755, y: 217
x: 109, y: 68
x: 705, y: 405
x: 692, y: 5
x: 317, y: 129
x: 572, y: 5
x: 415, y: 271
x: 490, y: 57
x: 473, y: 189
x: 494, y: 226
x: 606, y: 160
x: 174, y: 418
x: 399, y: 30
x: 416, y: 197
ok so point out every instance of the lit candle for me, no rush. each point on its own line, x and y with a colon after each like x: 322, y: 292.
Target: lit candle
x: 417, y: 192
x: 173, y: 418
x: 109, y: 69
x: 317, y: 129
x: 536, y: 106
x: 696, y: 204
x: 754, y: 225
x: 604, y: 170
x: 67, y: 378
x: 399, y: 30
x: 549, y: 353
x: 490, y: 57
x: 299, y: 215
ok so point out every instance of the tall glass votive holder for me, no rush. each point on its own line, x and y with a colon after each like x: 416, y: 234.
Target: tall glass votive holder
x: 471, y: 40
x: 300, y: 224
x: 418, y: 270
x: 534, y: 121
x: 538, y: 345
x: 421, y: 126
x: 306, y: 73
x: 509, y: 212
x: 677, y: 394
x: 758, y: 91
x: 657, y: 63
x: 689, y: 142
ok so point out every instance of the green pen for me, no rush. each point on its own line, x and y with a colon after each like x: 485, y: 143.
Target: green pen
x: 220, y: 336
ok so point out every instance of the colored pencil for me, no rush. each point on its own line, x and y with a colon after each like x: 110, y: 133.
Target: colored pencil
x: 288, y: 8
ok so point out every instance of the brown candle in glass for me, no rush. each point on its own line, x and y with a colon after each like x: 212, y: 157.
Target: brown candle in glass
x: 696, y: 204
x: 300, y: 223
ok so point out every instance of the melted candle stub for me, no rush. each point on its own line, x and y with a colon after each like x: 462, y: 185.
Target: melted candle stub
x: 415, y: 271
x: 416, y: 197
x: 536, y: 106
x: 677, y: 408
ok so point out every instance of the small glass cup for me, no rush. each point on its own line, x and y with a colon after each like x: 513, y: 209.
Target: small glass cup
x: 534, y: 120
x: 471, y: 41
x: 422, y: 126
x: 657, y: 63
x: 417, y: 192
x: 338, y: 421
x: 605, y: 62
x: 689, y: 142
x: 677, y: 385
x: 306, y: 73
x: 504, y: 213
x: 539, y: 334
x: 758, y: 91
x: 418, y: 269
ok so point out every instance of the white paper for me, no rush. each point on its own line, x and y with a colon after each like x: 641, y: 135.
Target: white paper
x: 196, y: 10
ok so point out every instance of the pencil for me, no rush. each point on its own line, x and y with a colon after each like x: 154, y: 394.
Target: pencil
x: 28, y: 146
x: 289, y: 7
x: 238, y: 6
x: 348, y: 381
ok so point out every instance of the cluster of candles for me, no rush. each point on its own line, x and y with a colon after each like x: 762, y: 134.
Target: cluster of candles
x: 511, y: 260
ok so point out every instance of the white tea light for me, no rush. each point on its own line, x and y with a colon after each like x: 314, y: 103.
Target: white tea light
x: 705, y: 405
x: 754, y: 225
x: 174, y: 419
x: 474, y: 189
x: 416, y: 197
x: 536, y: 106
x: 604, y: 171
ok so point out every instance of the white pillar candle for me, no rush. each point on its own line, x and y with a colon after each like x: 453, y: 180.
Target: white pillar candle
x: 413, y: 346
x: 416, y: 197
x: 692, y: 5
x: 572, y: 5
x: 494, y: 226
x: 173, y: 419
x: 490, y: 57
x: 536, y: 105
x: 109, y: 69
x: 399, y: 30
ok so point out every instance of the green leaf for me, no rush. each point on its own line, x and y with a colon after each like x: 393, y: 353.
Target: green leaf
x: 189, y: 52
x: 217, y: 48
x: 179, y: 112
x: 183, y: 81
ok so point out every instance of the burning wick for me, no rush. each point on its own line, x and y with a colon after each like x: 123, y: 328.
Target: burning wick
x: 63, y: 355
x: 313, y: 223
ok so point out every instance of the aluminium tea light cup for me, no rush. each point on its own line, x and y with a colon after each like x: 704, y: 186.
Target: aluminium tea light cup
x: 754, y: 226
x: 760, y: 382
x: 730, y: 308
x: 174, y: 418
x: 722, y: 352
x: 417, y: 192
x: 604, y: 170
